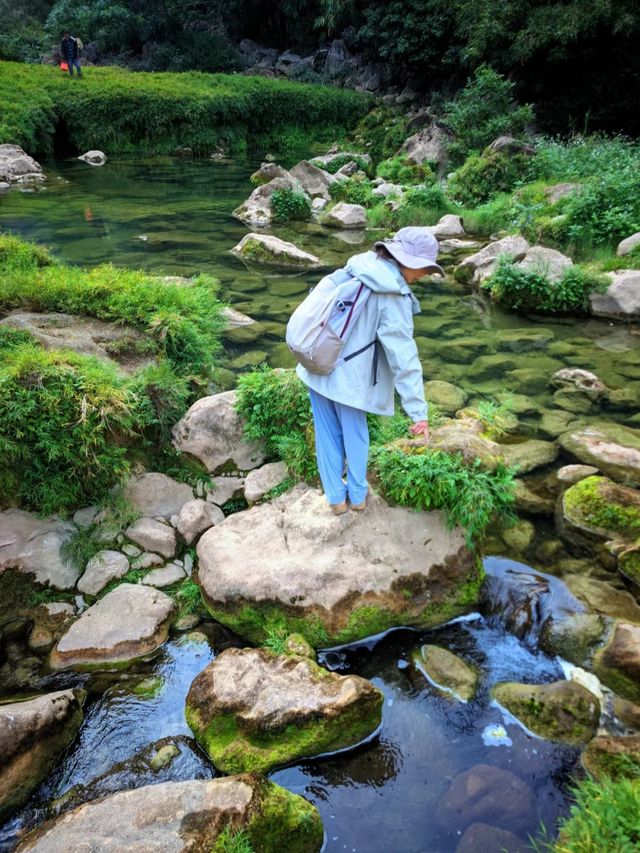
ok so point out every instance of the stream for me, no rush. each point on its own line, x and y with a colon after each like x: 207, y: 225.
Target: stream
x: 172, y: 216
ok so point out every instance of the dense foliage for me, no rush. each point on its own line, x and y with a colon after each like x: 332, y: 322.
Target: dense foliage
x: 72, y: 425
x: 287, y: 204
x: 161, y: 112
x: 276, y: 408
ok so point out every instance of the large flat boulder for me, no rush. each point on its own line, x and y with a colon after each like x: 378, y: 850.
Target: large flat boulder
x: 35, y: 546
x: 131, y: 621
x: 313, y: 180
x: 157, y: 496
x: 252, y: 709
x: 270, y: 251
x: 482, y: 264
x: 335, y: 579
x: 125, y: 346
x: 610, y: 447
x: 17, y: 167
x: 33, y: 733
x: 213, y: 432
x: 175, y: 817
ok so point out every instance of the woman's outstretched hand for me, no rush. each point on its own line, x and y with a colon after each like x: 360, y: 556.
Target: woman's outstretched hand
x: 420, y: 428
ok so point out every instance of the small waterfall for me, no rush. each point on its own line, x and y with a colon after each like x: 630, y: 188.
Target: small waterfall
x: 519, y: 600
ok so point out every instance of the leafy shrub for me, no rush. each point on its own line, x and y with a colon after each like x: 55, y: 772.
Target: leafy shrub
x: 483, y: 176
x: 605, y: 816
x: 430, y: 479
x: 399, y: 170
x: 383, y: 131
x: 111, y: 25
x: 606, y: 209
x: 484, y: 110
x: 338, y: 162
x: 355, y: 190
x: 289, y: 204
x: 528, y: 290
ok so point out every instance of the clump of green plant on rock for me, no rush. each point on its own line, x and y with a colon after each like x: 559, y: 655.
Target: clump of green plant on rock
x: 355, y: 190
x: 290, y: 204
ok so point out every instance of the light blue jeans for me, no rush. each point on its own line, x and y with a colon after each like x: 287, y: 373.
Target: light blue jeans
x: 342, y: 435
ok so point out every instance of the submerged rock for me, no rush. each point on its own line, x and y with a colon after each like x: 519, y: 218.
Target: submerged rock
x: 447, y: 671
x: 173, y: 817
x: 483, y: 838
x: 343, y: 578
x: 94, y: 157
x: 213, y: 432
x: 562, y: 711
x: 273, y: 252
x: 254, y: 710
x: 155, y: 495
x: 35, y: 546
x: 486, y: 794
x: 447, y: 397
x: 33, y: 733
x: 131, y: 621
x: 612, y: 448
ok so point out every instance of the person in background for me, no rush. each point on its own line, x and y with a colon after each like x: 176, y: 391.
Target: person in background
x: 341, y: 399
x: 70, y: 54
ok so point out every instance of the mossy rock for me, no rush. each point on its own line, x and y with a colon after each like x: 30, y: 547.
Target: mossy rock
x: 629, y: 566
x: 616, y: 757
x: 596, y: 509
x: 447, y: 671
x: 610, y: 447
x: 618, y: 664
x: 253, y: 710
x: 561, y: 711
x: 574, y: 637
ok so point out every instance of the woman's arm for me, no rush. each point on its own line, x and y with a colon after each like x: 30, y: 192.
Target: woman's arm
x: 395, y: 333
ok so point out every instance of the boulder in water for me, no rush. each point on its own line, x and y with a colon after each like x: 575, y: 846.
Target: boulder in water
x: 252, y: 709
x: 313, y: 180
x: 482, y: 838
x: 33, y: 733
x: 35, y: 546
x: 213, y: 432
x: 338, y: 579
x: 618, y: 664
x: 447, y: 397
x: 612, y: 448
x: 176, y: 816
x: 343, y: 215
x: 621, y: 300
x: 449, y: 225
x: 561, y: 711
x: 270, y: 251
x: 482, y: 264
x: 94, y: 157
x: 528, y: 455
x: 130, y: 622
x: 447, y: 671
x: 267, y: 172
x: 17, y: 167
x: 256, y: 210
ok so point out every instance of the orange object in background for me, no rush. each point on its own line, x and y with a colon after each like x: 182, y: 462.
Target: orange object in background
x: 64, y: 66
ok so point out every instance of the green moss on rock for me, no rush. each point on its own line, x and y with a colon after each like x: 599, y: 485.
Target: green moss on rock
x: 598, y: 503
x: 284, y: 821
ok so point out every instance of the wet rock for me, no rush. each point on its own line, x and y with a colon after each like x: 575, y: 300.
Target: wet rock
x: 561, y: 711
x: 482, y: 838
x: 186, y: 623
x: 448, y: 671
x: 628, y: 245
x: 33, y: 734
x: 519, y: 536
x: 197, y: 516
x: 569, y: 475
x: 176, y: 816
x: 262, y: 480
x: 428, y: 145
x: 447, y: 397
x: 555, y: 422
x: 344, y: 215
x: 34, y: 545
x: 486, y: 794
x: 40, y: 639
x: 213, y: 432
x: 596, y: 510
x: 547, y: 262
x: 130, y: 622
x: 16, y: 165
x: 621, y: 300
x: 612, y: 756
x: 524, y: 340
x: 256, y: 210
x: 604, y: 599
x: 629, y: 565
x: 461, y: 436
x: 531, y: 500
x: 273, y: 252
x: 105, y: 566
x: 166, y: 576
x: 581, y: 380
x: 618, y: 664
x: 164, y: 756
x: 153, y: 536
x: 225, y: 489
x: 155, y: 495
x: 482, y: 264
x: 573, y: 637
x: 254, y: 710
x: 363, y: 572
x: 448, y: 225
x: 94, y: 158
x: 627, y: 713
x: 612, y: 448
x: 313, y: 180
x: 528, y: 455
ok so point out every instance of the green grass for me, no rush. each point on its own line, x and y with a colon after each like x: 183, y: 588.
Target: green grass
x: 120, y: 112
x: 233, y: 840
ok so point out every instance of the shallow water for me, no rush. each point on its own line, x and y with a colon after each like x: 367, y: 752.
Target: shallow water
x: 383, y: 796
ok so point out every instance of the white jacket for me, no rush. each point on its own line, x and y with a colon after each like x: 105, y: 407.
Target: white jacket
x: 367, y: 381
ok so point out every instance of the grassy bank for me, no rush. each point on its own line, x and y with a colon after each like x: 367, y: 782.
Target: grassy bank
x: 71, y: 425
x: 120, y: 112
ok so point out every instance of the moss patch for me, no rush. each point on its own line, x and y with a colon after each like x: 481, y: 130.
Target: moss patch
x: 599, y: 503
x: 615, y: 757
x: 284, y: 821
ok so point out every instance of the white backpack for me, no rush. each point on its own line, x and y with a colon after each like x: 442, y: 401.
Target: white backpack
x: 318, y: 329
